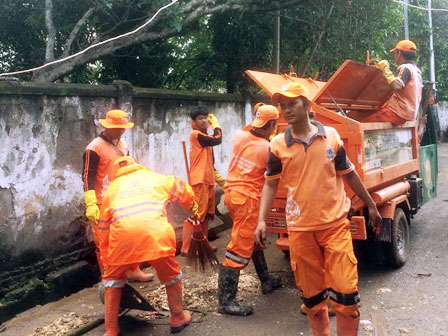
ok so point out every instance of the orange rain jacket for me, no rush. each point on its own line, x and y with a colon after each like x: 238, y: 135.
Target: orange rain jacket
x: 248, y: 164
x: 99, y: 158
x: 133, y: 226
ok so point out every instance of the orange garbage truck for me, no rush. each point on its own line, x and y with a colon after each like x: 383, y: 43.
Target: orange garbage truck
x: 400, y: 174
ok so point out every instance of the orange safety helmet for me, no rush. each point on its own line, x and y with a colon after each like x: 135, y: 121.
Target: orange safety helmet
x: 405, y: 45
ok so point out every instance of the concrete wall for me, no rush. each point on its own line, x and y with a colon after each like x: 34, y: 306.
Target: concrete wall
x: 442, y: 107
x: 44, y: 130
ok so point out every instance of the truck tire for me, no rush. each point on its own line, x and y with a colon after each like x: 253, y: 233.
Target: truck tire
x: 396, y: 251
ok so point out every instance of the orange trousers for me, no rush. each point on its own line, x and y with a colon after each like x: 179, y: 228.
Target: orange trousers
x: 385, y: 114
x: 204, y: 195
x: 244, y: 213
x: 324, y: 264
x: 167, y: 268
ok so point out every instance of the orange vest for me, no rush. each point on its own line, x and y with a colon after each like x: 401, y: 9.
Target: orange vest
x: 201, y: 161
x: 248, y: 164
x: 405, y: 103
x: 108, y: 153
x: 133, y: 226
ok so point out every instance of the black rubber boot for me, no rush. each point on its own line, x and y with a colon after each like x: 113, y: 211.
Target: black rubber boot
x: 269, y: 282
x: 227, y: 287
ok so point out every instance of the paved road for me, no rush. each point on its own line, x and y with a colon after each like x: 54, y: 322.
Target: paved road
x: 408, y: 301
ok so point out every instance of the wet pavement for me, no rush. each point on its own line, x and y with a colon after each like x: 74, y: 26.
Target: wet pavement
x: 407, y: 301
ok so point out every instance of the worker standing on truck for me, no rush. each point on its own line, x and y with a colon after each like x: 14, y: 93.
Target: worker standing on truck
x: 133, y: 228
x: 407, y: 86
x: 203, y: 175
x: 311, y: 161
x: 245, y: 180
x: 98, y: 161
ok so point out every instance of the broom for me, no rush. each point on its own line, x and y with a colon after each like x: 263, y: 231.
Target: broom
x: 199, y: 251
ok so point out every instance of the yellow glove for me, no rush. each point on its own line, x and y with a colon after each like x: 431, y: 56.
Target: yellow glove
x: 274, y: 133
x: 194, y: 211
x: 219, y: 179
x: 213, y: 121
x: 385, y: 69
x: 92, y: 211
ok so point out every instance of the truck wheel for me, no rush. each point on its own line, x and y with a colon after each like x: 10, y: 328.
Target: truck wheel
x: 396, y: 252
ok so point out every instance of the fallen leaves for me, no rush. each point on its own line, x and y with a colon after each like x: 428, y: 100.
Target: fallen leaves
x: 202, y: 294
x: 61, y: 326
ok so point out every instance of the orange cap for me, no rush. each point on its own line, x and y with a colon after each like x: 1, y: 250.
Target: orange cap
x: 264, y: 114
x: 291, y: 90
x: 116, y: 119
x: 405, y: 45
x: 257, y: 106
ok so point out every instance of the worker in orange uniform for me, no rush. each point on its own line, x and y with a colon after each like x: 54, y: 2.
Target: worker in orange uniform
x: 407, y: 86
x: 203, y: 175
x: 245, y: 180
x: 133, y: 228
x: 311, y: 161
x: 99, y: 158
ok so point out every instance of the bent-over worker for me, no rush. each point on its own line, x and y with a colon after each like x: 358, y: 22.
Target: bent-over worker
x: 133, y: 228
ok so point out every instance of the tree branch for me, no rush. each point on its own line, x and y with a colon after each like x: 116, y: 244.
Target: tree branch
x: 75, y: 31
x: 51, y: 36
x: 195, y: 9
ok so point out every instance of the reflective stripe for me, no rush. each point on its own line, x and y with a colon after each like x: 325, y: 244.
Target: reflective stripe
x: 103, y: 221
x: 314, y: 300
x: 114, y: 283
x: 175, y: 280
x: 236, y: 258
x: 103, y: 228
x: 115, y: 218
x: 136, y: 205
x: 344, y: 299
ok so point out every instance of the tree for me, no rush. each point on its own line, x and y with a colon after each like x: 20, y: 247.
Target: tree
x: 169, y: 23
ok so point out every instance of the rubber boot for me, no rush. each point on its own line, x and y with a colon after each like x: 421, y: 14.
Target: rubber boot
x: 180, y: 318
x: 320, y: 323
x: 138, y: 275
x: 227, y: 288
x: 98, y: 259
x: 269, y: 282
x: 204, y: 229
x: 346, y: 325
x: 112, y: 308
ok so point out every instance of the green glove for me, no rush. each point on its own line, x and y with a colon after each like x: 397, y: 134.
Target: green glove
x: 213, y: 121
x: 92, y: 211
x: 385, y: 69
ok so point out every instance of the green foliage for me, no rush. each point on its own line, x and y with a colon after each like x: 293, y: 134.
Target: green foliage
x: 212, y: 55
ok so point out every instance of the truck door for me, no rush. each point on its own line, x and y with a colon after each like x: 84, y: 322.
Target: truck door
x: 428, y: 148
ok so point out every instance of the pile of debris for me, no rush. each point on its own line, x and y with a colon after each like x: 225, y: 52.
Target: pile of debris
x: 202, y: 294
x: 62, y: 326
